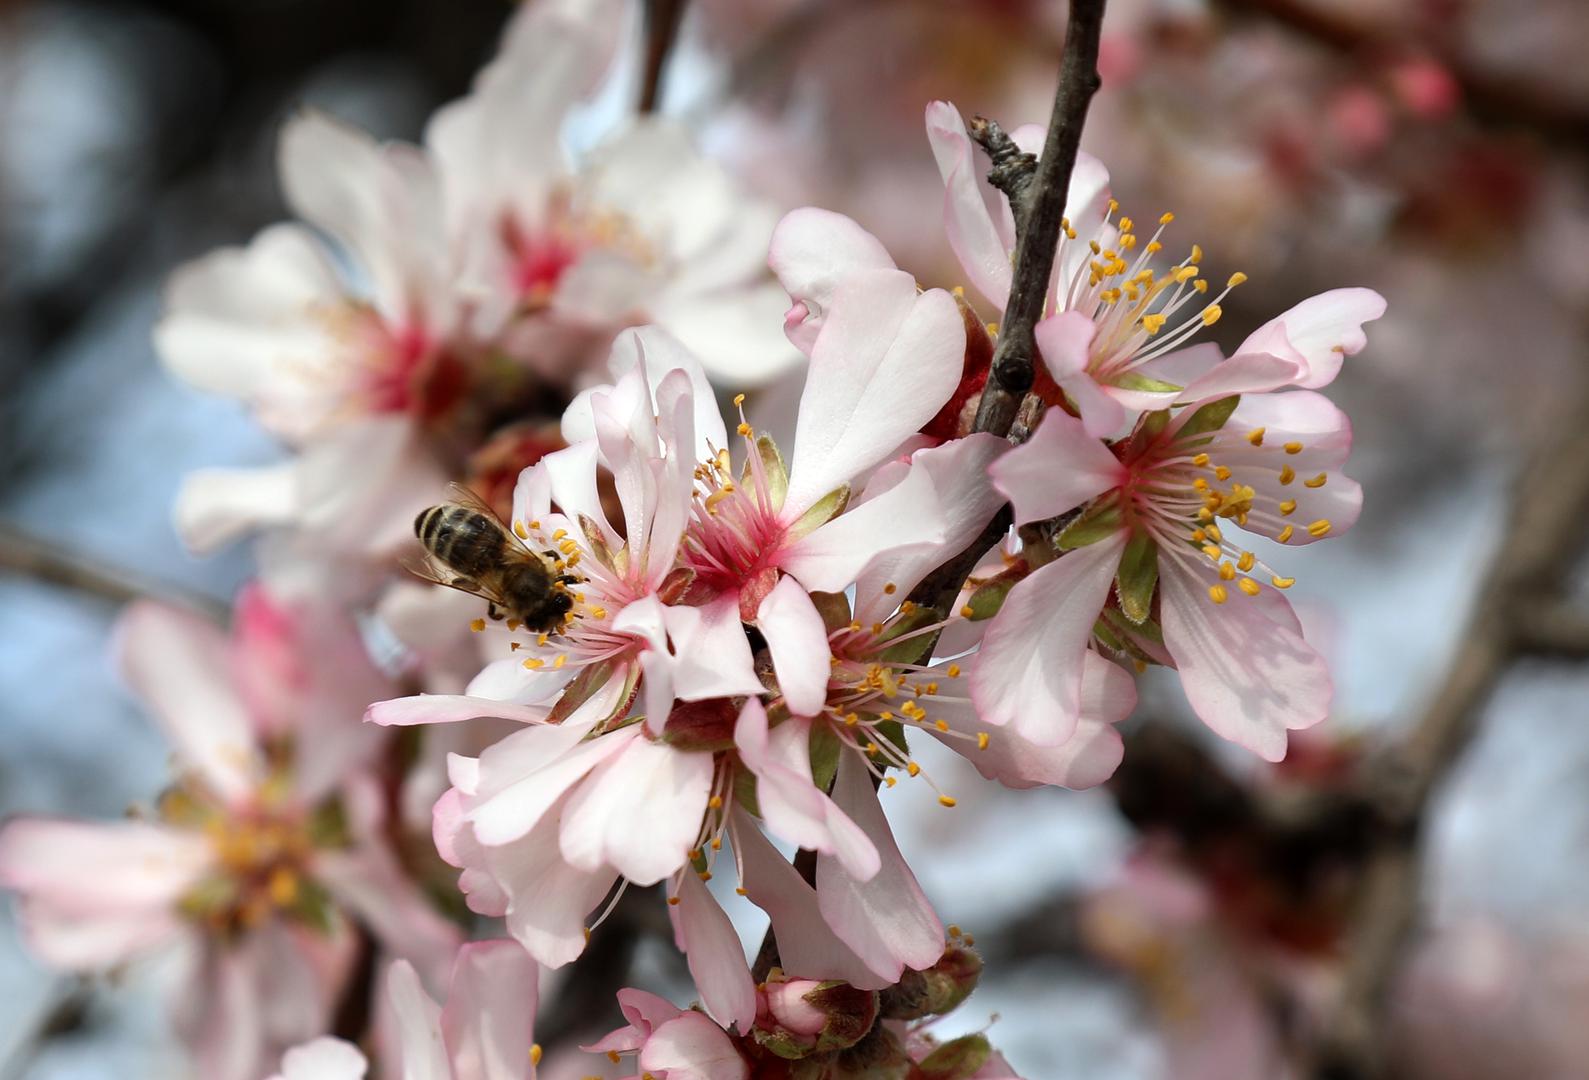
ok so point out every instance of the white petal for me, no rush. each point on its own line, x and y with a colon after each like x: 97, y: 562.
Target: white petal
x: 639, y: 812
x: 424, y: 1049
x: 489, y: 1019
x: 716, y: 957
x: 1058, y: 469
x: 215, y: 507
x: 967, y: 221
x: 907, y: 515
x: 798, y: 641
x: 324, y: 1058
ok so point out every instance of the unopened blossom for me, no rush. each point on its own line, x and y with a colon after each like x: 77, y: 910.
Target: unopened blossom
x: 270, y: 842
x: 485, y: 1031
x: 489, y: 275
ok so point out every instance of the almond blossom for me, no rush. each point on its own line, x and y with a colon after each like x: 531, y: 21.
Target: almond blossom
x: 669, y: 1043
x: 488, y: 276
x: 270, y: 843
x: 485, y: 1031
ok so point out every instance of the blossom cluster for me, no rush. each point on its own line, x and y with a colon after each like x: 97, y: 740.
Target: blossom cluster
x: 735, y: 644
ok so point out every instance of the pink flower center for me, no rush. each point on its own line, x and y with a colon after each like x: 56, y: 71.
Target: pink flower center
x: 736, y: 528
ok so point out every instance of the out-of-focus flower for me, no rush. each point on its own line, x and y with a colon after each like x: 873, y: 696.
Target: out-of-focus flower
x: 269, y: 843
x: 489, y: 274
x: 486, y: 1030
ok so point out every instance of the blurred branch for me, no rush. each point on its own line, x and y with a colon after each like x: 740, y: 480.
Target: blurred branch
x: 65, y: 1014
x: 662, y: 19
x: 29, y: 556
x: 1501, y: 100
x: 1542, y: 542
x: 1557, y: 630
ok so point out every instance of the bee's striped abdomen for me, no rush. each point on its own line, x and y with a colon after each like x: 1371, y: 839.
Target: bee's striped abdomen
x: 464, y: 539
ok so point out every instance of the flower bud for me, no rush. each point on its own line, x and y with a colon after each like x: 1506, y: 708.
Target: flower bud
x: 935, y: 991
x: 799, y: 1017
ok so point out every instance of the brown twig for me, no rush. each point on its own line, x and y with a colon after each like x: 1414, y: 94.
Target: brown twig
x: 1508, y: 624
x: 29, y: 556
x: 662, y: 18
x: 1039, y: 206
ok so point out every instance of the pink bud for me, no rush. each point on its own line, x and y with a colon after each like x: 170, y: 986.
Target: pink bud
x: 789, y: 1009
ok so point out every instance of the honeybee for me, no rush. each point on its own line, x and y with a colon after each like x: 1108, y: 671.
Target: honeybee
x: 469, y: 548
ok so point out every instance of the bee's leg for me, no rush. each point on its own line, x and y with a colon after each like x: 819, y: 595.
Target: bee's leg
x: 568, y: 579
x: 495, y: 612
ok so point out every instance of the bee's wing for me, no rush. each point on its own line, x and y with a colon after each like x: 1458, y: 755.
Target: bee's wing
x: 427, y: 566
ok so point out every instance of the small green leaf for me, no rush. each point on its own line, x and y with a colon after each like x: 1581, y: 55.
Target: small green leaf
x: 825, y: 510
x: 1148, y: 630
x: 894, y: 732
x: 1137, y: 576
x: 825, y: 751
x: 773, y: 469
x: 987, y: 600
x: 745, y: 791
x: 834, y: 607
x: 958, y: 1059
x: 1098, y: 522
x: 1132, y: 381
x: 1209, y: 418
x: 907, y: 652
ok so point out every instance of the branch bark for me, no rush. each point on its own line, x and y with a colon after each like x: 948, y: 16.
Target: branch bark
x: 30, y: 556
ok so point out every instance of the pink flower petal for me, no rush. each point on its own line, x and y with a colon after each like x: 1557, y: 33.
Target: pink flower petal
x: 424, y: 1047
x: 638, y: 812
x: 814, y: 250
x: 324, y: 1058
x: 907, y: 515
x: 1247, y: 676
x: 1086, y: 759
x: 967, y: 221
x: 488, y: 1022
x: 177, y: 662
x: 716, y: 957
x: 885, y: 919
x: 798, y: 641
x: 1325, y: 329
x: 886, y: 361
x: 1244, y: 373
x: 1058, y: 469
x: 524, y: 774
x: 369, y: 882
x: 1028, y: 673
x: 691, y: 1047
x: 448, y: 709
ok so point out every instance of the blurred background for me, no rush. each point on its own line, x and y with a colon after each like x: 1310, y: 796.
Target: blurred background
x: 1433, y: 150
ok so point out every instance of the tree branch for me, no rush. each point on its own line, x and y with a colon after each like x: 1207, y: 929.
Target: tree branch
x: 29, y: 556
x: 1039, y: 207
x: 1542, y: 542
x: 662, y: 18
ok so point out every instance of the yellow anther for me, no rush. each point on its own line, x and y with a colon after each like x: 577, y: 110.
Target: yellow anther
x: 941, y: 725
x: 559, y: 534
x: 966, y: 612
x: 1236, y: 279
x: 739, y: 399
x: 1154, y: 247
x: 1283, y: 582
x: 1213, y: 551
x: 1153, y: 323
x: 890, y: 780
x: 1245, y: 563
x: 520, y: 531
x: 1227, y: 572
x: 1201, y: 285
x: 1217, y: 593
x: 533, y: 663
x: 946, y: 800
x: 740, y: 889
x: 1285, y: 534
x: 562, y: 658
x: 1198, y: 536
x: 1222, y: 472
x: 1166, y: 217
x: 717, y: 843
x: 1211, y: 314
x: 1317, y: 481
x: 872, y: 748
x: 1255, y: 436
x: 1185, y: 274
x: 1288, y: 507
x: 953, y: 671
x: 954, y: 930
x: 890, y: 589
x: 477, y: 625
x: 852, y: 719
x: 1200, y: 484
x: 1213, y: 533
x: 912, y: 768
x: 1205, y: 514
x: 1200, y: 460
x: 674, y: 900
x: 1125, y: 224
x: 1319, y: 528
x: 1293, y: 448
x: 1249, y: 586
x: 535, y: 1053
x: 1287, y: 474
x: 705, y: 875
x: 715, y: 802
x: 744, y: 429
x: 1114, y: 204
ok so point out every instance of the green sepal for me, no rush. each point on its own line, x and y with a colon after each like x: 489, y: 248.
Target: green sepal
x: 834, y: 607
x: 825, y: 751
x: 907, y: 652
x: 328, y: 826
x: 1209, y: 418
x: 773, y: 469
x: 313, y: 906
x: 1098, y: 522
x: 1133, y: 381
x: 822, y: 511
x: 894, y: 732
x: 958, y: 1059
x: 580, y: 690
x: 988, y: 599
x: 745, y: 791
x: 1137, y: 576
